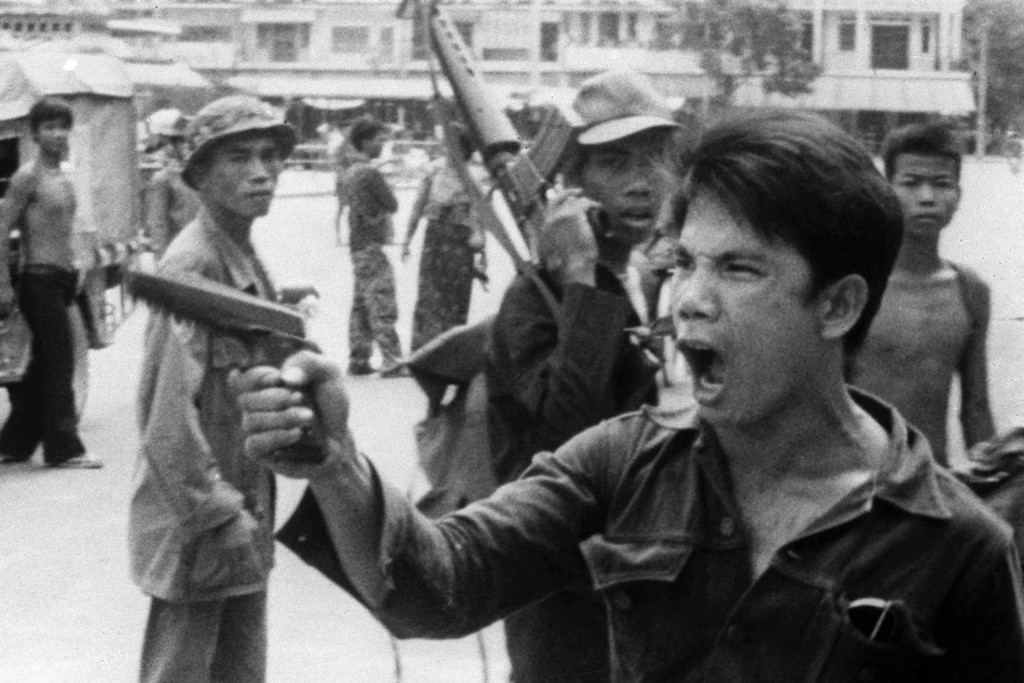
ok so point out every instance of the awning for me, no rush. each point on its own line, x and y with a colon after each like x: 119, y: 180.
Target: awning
x: 332, y: 104
x: 144, y: 27
x: 27, y: 76
x: 336, y: 87
x: 166, y: 75
x: 935, y: 92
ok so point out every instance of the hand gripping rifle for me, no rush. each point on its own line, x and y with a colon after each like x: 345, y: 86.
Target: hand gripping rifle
x: 266, y: 332
x: 522, y: 177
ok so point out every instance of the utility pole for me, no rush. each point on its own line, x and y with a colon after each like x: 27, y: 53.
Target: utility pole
x: 981, y: 124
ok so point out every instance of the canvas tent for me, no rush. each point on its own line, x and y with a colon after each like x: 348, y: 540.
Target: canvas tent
x: 103, y: 168
x: 102, y: 160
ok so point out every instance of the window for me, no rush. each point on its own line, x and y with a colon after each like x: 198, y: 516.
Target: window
x: 807, y: 37
x: 926, y: 38
x: 283, y: 42
x: 420, y: 39
x: 349, y: 39
x: 205, y: 34
x: 465, y: 29
x: 549, y: 33
x: 631, y: 21
x: 506, y: 54
x: 585, y: 20
x: 890, y: 46
x: 608, y: 28
x: 847, y: 36
x: 386, y: 44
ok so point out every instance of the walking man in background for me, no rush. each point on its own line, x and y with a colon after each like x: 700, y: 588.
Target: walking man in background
x: 202, y: 513
x: 371, y: 207
x: 40, y: 201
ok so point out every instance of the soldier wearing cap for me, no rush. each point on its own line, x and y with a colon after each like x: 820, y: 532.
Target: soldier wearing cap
x: 170, y: 203
x: 548, y: 384
x: 201, y: 513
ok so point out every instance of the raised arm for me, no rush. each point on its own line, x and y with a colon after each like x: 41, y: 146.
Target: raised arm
x: 420, y: 577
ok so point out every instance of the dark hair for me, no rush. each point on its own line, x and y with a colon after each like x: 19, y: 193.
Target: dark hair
x: 49, y: 109
x: 935, y: 138
x: 363, y: 129
x: 796, y: 178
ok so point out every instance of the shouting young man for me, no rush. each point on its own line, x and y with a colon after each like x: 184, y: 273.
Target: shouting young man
x: 786, y: 528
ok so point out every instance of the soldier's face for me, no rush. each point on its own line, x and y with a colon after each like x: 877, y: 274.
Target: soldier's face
x: 623, y: 177
x: 241, y: 175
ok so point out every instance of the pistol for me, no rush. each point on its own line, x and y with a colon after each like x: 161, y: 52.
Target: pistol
x: 266, y: 332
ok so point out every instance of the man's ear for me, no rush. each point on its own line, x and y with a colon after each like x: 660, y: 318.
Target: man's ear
x: 840, y: 305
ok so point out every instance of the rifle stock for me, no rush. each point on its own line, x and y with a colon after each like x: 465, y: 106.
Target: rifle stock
x: 523, y: 178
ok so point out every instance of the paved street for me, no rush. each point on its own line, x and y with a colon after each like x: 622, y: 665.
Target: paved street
x: 69, y: 610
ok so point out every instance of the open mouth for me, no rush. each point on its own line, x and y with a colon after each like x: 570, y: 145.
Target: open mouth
x: 636, y: 219
x: 707, y: 367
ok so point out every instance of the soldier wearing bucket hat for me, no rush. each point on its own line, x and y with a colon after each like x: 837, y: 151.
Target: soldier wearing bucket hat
x: 549, y: 384
x: 231, y: 117
x: 201, y: 514
x: 617, y: 104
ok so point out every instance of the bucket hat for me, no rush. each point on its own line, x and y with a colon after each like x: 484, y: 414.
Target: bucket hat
x: 228, y: 117
x: 619, y: 103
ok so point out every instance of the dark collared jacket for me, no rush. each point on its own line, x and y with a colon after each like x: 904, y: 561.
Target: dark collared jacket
x: 548, y: 383
x: 667, y: 551
x: 371, y: 203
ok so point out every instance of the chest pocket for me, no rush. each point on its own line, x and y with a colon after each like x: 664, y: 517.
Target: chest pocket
x: 899, y: 652
x: 637, y: 579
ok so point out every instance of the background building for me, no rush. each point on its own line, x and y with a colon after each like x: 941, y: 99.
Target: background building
x: 883, y: 61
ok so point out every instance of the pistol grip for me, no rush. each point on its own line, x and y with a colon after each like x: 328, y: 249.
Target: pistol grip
x: 274, y: 349
x: 309, y: 449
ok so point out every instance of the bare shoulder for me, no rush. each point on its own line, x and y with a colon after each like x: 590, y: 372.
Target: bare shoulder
x: 25, y: 178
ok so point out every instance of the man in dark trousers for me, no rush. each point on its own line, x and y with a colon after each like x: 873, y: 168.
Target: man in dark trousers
x: 787, y: 527
x: 371, y: 206
x: 41, y: 202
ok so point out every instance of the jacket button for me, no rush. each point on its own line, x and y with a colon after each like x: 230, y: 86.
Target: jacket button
x: 727, y: 527
x: 736, y: 633
x: 622, y: 600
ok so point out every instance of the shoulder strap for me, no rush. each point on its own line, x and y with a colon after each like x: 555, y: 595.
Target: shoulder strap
x: 973, y: 290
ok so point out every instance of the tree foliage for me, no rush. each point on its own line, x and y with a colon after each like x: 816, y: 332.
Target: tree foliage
x: 753, y: 38
x: 1005, y: 24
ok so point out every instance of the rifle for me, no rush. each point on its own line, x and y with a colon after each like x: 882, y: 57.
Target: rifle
x: 522, y: 177
x: 267, y: 333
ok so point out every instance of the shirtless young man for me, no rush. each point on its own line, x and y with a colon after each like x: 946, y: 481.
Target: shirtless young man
x: 933, y: 323
x: 41, y: 202
x: 787, y: 528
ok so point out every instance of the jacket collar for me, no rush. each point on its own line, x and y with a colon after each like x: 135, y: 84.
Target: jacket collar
x: 907, y: 479
x: 242, y: 267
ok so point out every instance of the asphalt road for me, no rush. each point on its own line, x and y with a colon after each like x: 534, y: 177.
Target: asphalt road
x: 68, y: 610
